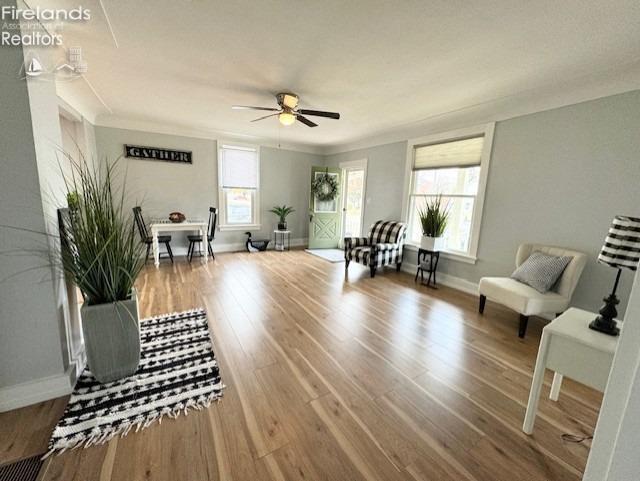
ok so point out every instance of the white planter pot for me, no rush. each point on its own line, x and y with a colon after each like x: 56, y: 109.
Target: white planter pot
x: 432, y: 243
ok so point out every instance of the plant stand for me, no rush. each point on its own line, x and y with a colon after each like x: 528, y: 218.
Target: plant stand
x: 431, y: 266
x: 282, y: 240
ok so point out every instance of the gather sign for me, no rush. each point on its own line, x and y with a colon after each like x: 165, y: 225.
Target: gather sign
x: 156, y: 153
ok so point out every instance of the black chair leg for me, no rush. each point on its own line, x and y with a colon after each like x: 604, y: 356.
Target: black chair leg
x: 483, y: 301
x: 398, y: 266
x: 189, y: 251
x: 169, y: 251
x: 522, y: 330
x: 193, y: 248
x: 373, y: 271
x: 417, y: 273
x: 147, y: 256
x: 346, y: 264
x: 211, y: 250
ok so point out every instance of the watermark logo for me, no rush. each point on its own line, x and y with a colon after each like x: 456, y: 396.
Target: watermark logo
x: 37, y: 27
x: 70, y: 68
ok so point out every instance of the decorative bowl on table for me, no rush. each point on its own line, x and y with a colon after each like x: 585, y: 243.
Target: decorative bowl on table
x: 177, y: 217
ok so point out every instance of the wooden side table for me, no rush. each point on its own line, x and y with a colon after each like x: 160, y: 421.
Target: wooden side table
x: 571, y: 349
x: 431, y: 267
x: 279, y: 238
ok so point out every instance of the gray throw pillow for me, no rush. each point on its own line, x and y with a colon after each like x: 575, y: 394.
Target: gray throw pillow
x: 541, y: 271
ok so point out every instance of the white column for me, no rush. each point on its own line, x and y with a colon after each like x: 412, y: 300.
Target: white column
x: 614, y: 451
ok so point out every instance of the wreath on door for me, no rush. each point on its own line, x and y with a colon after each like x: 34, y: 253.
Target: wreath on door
x: 325, y: 187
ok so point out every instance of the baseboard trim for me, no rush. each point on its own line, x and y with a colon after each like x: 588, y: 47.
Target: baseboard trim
x: 446, y: 280
x: 460, y: 284
x: 38, y: 390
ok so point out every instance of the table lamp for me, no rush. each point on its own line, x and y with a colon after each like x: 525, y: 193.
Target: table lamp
x: 621, y: 249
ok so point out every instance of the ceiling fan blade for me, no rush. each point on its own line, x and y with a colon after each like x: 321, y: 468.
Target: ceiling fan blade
x: 265, y: 117
x: 320, y: 113
x: 249, y: 107
x: 306, y: 121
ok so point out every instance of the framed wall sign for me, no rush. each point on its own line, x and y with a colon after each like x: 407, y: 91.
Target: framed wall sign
x: 157, y: 153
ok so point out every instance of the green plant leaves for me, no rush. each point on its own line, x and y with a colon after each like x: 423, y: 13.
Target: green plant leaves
x: 282, y: 212
x: 434, y: 217
x: 103, y: 254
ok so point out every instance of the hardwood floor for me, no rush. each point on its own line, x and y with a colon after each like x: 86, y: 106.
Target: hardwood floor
x: 336, y: 379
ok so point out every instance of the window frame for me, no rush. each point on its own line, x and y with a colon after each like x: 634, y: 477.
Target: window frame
x: 223, y: 225
x: 487, y: 131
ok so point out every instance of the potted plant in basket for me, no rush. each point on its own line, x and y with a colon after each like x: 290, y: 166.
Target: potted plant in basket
x: 102, y: 255
x: 282, y: 213
x: 433, y: 219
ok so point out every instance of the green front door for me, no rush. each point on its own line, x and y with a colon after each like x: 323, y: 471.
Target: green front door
x: 325, y: 215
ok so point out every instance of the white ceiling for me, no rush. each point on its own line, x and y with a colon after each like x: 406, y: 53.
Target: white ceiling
x: 381, y: 64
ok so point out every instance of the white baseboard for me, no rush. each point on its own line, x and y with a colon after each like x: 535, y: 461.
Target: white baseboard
x: 38, y: 390
x: 447, y: 280
x: 461, y: 284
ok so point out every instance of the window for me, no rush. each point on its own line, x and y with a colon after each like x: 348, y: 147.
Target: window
x: 238, y: 187
x: 454, y: 166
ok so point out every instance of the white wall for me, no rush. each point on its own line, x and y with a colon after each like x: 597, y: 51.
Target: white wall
x: 164, y: 187
x: 34, y: 364
x: 614, y: 451
x: 556, y: 177
x: 385, y: 177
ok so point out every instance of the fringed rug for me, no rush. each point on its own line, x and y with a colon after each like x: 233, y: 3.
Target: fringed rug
x: 178, y: 371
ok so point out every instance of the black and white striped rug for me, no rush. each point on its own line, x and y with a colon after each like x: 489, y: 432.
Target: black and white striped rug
x: 178, y: 371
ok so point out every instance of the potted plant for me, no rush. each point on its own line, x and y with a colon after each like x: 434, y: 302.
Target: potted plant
x: 282, y: 213
x: 103, y: 257
x: 433, y: 219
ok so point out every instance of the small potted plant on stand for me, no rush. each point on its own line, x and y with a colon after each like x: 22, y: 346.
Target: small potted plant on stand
x: 433, y: 219
x: 103, y: 257
x: 282, y: 213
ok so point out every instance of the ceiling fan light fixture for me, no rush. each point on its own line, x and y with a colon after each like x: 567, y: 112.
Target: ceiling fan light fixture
x: 286, y: 118
x: 287, y: 100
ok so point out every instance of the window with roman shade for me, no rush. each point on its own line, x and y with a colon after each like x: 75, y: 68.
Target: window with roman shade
x: 238, y: 186
x: 450, y: 168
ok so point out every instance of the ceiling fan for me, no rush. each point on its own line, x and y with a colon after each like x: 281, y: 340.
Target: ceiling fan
x: 289, y: 112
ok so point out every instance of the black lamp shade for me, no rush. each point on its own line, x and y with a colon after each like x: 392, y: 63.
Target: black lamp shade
x: 621, y: 248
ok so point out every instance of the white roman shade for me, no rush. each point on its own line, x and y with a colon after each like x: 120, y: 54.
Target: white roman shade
x: 454, y: 153
x: 239, y: 167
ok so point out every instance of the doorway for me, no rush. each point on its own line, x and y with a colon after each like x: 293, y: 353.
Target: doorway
x: 354, y: 184
x: 325, y: 215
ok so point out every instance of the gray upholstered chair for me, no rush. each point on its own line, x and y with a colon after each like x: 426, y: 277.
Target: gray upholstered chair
x: 382, y: 247
x: 526, y: 300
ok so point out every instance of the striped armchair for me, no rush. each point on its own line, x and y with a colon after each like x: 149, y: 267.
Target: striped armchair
x: 383, y: 246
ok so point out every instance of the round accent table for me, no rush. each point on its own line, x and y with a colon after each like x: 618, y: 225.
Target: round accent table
x: 282, y: 240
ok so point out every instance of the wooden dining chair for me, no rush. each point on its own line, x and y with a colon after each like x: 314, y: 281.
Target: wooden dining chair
x: 146, y: 238
x: 211, y: 232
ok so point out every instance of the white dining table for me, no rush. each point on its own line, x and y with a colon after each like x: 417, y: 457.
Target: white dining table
x: 158, y: 227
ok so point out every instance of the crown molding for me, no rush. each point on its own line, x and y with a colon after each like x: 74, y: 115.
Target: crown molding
x: 526, y: 102
x: 116, y: 122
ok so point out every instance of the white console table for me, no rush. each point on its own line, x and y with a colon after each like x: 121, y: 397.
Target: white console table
x: 168, y: 226
x: 571, y: 349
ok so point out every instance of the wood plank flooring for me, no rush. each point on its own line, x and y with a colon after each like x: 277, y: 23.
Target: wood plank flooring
x: 334, y: 378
